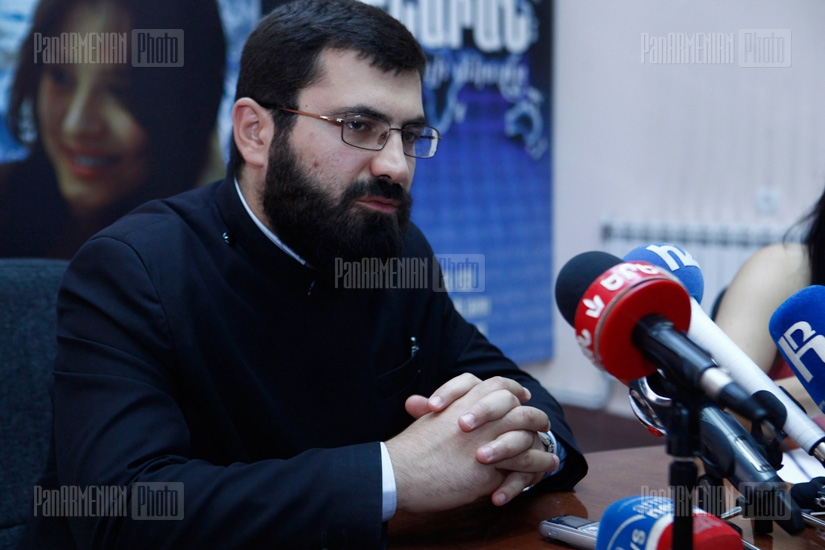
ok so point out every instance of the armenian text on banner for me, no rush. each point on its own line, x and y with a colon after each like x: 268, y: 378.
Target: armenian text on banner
x: 485, y: 200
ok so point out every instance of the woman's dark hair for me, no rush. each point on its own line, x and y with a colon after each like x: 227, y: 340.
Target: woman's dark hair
x: 176, y: 106
x: 815, y: 240
x: 280, y: 57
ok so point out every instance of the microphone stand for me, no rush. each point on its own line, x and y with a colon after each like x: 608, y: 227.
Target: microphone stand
x: 664, y: 347
x: 726, y: 449
x: 683, y: 444
x: 684, y: 363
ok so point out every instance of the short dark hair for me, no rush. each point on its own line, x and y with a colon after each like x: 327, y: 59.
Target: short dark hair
x: 280, y: 57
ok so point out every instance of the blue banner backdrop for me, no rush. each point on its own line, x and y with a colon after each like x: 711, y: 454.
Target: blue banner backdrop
x: 485, y: 200
x: 488, y: 190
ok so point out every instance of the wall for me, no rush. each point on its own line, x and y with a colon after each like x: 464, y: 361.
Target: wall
x: 694, y: 142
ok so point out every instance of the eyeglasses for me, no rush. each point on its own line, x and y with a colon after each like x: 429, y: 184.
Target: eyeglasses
x: 372, y: 133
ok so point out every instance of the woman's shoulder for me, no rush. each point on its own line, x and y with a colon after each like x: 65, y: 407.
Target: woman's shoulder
x: 784, y: 258
x: 779, y: 268
x: 794, y: 252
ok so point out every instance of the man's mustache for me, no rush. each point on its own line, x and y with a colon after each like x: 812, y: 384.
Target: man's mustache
x: 377, y: 188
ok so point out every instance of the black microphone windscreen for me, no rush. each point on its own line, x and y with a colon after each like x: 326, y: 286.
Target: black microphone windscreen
x: 575, y: 278
x: 805, y: 494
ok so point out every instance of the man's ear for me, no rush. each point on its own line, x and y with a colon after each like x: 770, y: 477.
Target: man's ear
x: 252, y: 129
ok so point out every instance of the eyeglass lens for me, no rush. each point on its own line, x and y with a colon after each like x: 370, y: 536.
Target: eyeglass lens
x: 372, y: 133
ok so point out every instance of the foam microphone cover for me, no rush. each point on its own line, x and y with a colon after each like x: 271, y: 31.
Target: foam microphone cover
x: 646, y: 523
x: 607, y: 305
x: 798, y: 328
x: 675, y: 260
x: 810, y: 495
x: 576, y: 277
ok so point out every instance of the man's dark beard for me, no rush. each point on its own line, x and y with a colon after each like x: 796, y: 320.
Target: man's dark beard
x: 318, y: 230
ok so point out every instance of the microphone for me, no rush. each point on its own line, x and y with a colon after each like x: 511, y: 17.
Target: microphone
x: 727, y: 451
x: 647, y: 522
x: 797, y: 328
x: 631, y: 318
x: 675, y: 261
x: 727, y: 354
x: 810, y: 495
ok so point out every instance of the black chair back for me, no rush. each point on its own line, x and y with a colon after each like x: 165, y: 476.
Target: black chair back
x: 28, y: 292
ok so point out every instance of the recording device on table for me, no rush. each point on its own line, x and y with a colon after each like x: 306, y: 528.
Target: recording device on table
x: 644, y: 521
x: 573, y: 530
x: 630, y: 520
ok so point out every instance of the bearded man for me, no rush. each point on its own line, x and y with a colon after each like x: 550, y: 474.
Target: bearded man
x: 208, y: 352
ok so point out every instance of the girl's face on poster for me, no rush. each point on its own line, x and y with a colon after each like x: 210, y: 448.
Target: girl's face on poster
x: 98, y: 149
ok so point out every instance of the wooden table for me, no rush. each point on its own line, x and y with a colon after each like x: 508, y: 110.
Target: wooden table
x: 613, y: 475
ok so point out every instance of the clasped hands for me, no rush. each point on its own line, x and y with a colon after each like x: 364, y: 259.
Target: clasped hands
x: 471, y: 438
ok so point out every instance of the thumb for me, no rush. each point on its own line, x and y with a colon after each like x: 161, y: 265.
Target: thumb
x: 417, y: 406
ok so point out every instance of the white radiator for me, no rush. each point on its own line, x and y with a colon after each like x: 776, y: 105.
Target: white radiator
x: 720, y: 249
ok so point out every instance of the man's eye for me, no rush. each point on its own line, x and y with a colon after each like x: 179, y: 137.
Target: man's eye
x: 358, y: 125
x: 411, y: 134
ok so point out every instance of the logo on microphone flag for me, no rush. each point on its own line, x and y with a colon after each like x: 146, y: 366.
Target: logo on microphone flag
x: 615, y: 301
x: 809, y: 341
x: 646, y: 523
x: 798, y: 329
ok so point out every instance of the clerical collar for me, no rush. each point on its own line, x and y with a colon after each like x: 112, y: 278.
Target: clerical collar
x: 272, y: 236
